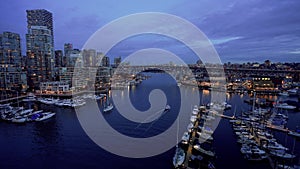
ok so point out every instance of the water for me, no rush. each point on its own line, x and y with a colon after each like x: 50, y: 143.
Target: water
x: 61, y: 142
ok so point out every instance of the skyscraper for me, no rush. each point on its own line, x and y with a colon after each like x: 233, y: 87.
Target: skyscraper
x: 40, y: 17
x: 58, y: 58
x: 39, y: 55
x: 11, y: 74
x: 40, y: 48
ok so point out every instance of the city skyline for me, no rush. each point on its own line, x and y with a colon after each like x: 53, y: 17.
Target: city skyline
x: 241, y: 31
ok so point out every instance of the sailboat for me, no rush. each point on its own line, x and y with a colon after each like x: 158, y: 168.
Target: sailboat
x: 108, y: 106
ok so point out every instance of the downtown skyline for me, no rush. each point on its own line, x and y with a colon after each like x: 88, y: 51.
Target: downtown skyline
x: 240, y: 31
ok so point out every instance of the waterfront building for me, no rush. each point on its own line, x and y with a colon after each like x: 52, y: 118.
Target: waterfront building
x: 57, y: 87
x: 12, y: 76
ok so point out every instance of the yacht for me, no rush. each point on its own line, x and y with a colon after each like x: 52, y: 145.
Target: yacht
x: 206, y: 152
x: 168, y: 107
x: 295, y: 133
x: 282, y: 154
x: 284, y: 106
x: 108, y: 108
x: 45, y: 116
x: 29, y: 99
x: 273, y: 145
x: 179, y: 157
x: 185, y: 138
x: 246, y: 149
x: 18, y: 120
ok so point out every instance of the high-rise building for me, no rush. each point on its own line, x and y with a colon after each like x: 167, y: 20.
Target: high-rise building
x: 89, y: 57
x: 11, y: 74
x: 105, y: 61
x: 58, y: 58
x: 40, y: 17
x: 40, y: 46
x: 39, y: 55
x: 68, y: 47
x: 117, y: 61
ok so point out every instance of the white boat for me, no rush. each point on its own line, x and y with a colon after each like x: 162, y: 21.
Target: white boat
x: 292, y: 91
x: 205, y: 136
x: 168, y: 107
x: 294, y: 133
x: 23, y: 112
x: 282, y: 154
x: 4, y: 105
x: 185, y: 138
x: 193, y: 119
x: 48, y: 100
x: 29, y: 99
x: 273, y: 145
x: 45, y: 116
x: 108, y: 108
x: 179, y: 157
x: 190, y: 127
x: 284, y: 106
x: 246, y: 149
x: 283, y: 94
x: 206, y: 129
x: 200, y: 149
x: 19, y: 120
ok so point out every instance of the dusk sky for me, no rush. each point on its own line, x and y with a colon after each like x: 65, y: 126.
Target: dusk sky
x: 253, y: 30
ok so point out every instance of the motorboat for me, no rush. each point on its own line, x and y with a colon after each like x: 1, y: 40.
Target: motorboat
x: 29, y: 99
x: 246, y: 149
x: 108, y: 108
x: 45, y: 116
x: 282, y: 154
x: 19, y: 120
x: 206, y: 152
x: 185, y: 138
x: 284, y: 106
x: 273, y: 145
x: 205, y: 136
x: 168, y: 107
x: 179, y: 157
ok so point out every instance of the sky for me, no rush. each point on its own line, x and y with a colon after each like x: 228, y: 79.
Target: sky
x: 241, y: 31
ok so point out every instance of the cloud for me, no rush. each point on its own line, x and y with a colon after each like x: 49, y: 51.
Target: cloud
x: 224, y: 40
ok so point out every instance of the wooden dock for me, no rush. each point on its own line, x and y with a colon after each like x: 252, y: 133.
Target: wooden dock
x: 286, y: 130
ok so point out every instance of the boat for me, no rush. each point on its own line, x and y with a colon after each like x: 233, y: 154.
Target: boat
x: 292, y: 92
x: 193, y: 119
x: 19, y: 120
x: 282, y: 154
x: 284, y: 106
x: 185, y: 138
x: 29, y: 99
x: 179, y: 157
x: 45, y: 116
x: 247, y: 149
x: 205, y: 136
x: 206, y: 152
x: 206, y: 129
x: 273, y: 145
x: 190, y: 127
x: 283, y: 94
x: 295, y: 133
x: 108, y: 106
x: 167, y: 108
